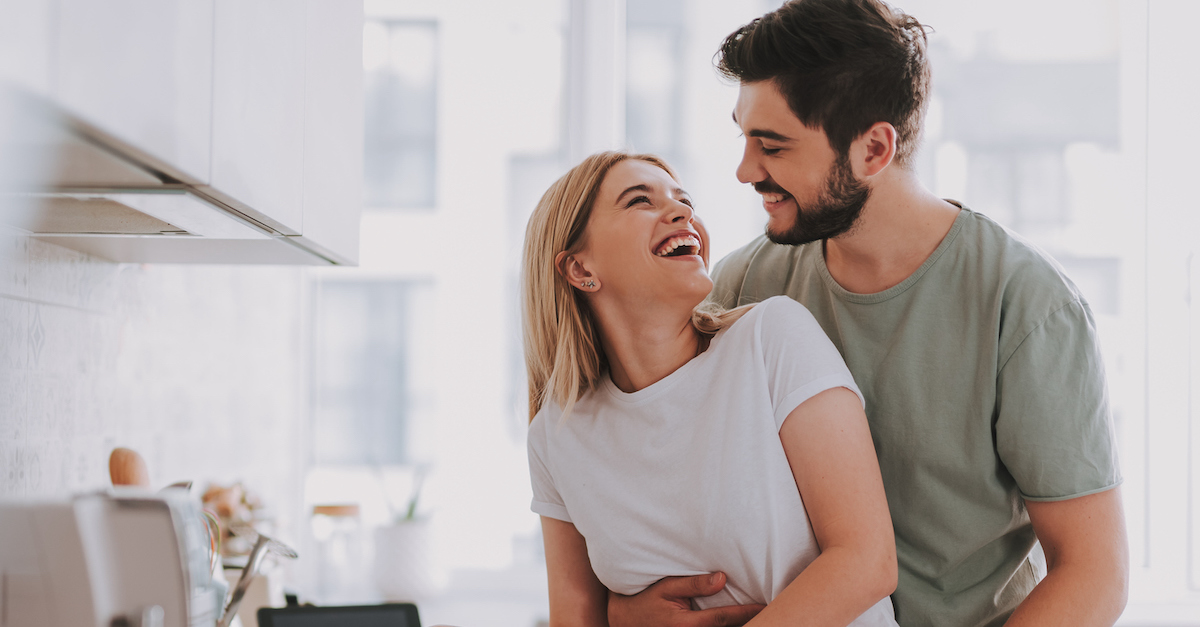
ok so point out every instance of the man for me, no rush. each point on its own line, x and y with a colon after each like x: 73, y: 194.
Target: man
x: 977, y: 357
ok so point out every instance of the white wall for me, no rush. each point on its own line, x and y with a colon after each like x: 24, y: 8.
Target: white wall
x: 200, y: 368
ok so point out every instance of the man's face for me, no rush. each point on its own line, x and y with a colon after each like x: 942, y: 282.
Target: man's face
x: 809, y: 191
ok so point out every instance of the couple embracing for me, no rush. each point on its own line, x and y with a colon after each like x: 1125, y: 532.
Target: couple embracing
x: 867, y: 416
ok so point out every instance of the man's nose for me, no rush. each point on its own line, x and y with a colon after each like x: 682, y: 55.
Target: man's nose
x: 749, y: 170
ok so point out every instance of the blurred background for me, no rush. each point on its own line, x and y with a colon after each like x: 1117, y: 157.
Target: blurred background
x: 391, y: 395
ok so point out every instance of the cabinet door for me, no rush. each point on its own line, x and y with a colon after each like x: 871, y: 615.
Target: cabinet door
x: 25, y: 36
x: 333, y: 128
x: 258, y: 109
x: 142, y: 71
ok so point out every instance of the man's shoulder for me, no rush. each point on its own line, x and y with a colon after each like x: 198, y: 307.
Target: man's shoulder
x: 1032, y: 287
x: 1028, y: 273
x: 758, y: 261
x: 737, y: 263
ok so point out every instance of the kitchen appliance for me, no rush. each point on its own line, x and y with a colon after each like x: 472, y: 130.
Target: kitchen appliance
x: 123, y: 558
x: 386, y: 615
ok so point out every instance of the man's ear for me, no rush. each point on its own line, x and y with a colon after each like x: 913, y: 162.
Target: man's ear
x: 873, y: 150
x: 573, y: 270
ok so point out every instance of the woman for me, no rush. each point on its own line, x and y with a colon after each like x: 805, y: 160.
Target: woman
x: 669, y: 440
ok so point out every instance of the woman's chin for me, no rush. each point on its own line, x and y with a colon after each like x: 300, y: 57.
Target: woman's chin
x: 698, y: 290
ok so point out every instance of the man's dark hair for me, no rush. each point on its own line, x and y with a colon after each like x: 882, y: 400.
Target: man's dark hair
x: 842, y: 65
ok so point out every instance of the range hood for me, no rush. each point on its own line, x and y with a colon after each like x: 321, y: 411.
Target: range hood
x: 69, y: 182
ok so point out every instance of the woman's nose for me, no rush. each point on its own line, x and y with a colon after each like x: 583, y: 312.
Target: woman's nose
x: 681, y: 211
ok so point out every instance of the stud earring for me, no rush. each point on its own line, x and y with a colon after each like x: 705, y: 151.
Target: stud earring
x: 588, y: 284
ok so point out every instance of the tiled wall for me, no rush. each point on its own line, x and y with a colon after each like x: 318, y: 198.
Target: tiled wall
x: 200, y: 368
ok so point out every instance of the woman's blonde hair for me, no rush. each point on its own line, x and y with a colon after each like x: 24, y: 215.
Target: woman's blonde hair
x: 564, y: 358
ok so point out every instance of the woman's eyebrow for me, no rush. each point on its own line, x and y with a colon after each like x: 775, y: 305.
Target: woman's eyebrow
x: 636, y: 188
x: 642, y: 187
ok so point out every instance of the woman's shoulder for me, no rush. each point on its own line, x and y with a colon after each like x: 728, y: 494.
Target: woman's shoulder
x: 772, y: 318
x: 545, y: 420
x: 780, y: 311
x: 552, y: 416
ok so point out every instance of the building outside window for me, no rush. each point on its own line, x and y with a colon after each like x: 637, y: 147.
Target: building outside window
x: 654, y: 80
x: 400, y: 140
x: 367, y: 389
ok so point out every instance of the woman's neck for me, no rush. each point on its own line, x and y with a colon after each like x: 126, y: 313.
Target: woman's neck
x: 645, y: 344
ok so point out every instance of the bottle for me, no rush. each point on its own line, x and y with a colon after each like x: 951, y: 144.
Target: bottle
x: 341, y: 558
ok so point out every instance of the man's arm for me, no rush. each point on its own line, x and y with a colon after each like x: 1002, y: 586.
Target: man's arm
x: 1087, y: 560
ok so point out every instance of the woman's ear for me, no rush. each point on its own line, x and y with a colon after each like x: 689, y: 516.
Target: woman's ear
x: 573, y: 270
x: 873, y: 150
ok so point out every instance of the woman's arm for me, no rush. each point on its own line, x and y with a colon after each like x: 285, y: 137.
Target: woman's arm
x: 828, y: 445
x: 577, y: 598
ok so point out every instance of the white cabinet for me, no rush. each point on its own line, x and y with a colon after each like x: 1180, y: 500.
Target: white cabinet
x: 333, y: 125
x: 258, y: 108
x: 143, y: 71
x: 26, y: 29
x: 252, y: 107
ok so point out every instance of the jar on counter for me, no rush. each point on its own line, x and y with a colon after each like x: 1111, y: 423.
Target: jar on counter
x: 342, y: 561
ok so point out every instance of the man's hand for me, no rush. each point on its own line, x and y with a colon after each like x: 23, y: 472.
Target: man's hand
x: 667, y: 603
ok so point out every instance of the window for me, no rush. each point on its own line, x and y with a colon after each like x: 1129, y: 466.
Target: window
x: 366, y: 390
x: 654, y: 80
x: 400, y: 142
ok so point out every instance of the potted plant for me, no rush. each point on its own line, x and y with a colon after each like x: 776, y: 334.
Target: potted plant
x: 402, y: 566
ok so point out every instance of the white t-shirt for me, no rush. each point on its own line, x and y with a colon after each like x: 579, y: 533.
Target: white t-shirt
x: 688, y: 476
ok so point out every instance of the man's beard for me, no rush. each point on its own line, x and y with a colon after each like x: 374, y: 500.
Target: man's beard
x: 834, y: 212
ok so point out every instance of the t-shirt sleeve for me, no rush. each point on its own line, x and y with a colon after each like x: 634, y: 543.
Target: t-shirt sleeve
x: 1054, y: 430
x: 800, y: 359
x: 546, y: 500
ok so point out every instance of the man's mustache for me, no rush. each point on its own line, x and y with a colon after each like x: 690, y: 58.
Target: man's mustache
x: 769, y: 187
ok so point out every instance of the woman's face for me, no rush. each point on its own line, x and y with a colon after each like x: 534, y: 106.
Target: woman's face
x: 643, y: 240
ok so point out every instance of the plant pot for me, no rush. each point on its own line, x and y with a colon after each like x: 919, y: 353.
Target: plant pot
x: 402, y: 567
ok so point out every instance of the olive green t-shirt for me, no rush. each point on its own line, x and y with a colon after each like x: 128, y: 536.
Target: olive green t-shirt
x: 984, y: 387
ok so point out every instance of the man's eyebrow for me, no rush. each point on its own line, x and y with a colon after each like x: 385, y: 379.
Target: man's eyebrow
x: 763, y: 133
x: 771, y: 135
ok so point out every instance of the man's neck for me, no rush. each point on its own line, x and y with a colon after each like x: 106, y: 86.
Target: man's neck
x: 901, y: 225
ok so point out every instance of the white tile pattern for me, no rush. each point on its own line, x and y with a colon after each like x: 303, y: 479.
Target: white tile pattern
x: 201, y: 368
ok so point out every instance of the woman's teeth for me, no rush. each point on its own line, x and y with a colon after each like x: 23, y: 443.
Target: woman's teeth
x: 671, y: 245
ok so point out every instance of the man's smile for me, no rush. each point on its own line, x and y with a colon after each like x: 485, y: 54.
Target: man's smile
x: 772, y: 194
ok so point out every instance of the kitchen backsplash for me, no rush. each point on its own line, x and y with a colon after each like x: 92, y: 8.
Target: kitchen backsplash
x: 203, y: 369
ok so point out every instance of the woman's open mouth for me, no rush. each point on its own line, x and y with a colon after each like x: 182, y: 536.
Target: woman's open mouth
x: 678, y: 246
